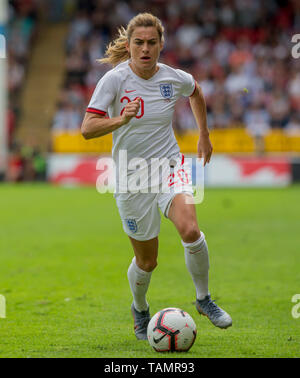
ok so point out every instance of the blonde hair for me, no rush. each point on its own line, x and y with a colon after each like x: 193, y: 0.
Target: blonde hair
x: 116, y: 51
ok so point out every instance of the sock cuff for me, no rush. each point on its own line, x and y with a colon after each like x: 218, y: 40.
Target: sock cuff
x: 139, y: 270
x: 196, y: 245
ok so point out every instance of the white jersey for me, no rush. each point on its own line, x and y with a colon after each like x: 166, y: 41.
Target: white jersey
x: 150, y: 133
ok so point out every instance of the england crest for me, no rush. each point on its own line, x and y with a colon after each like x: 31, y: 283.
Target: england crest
x: 166, y: 90
x: 132, y: 226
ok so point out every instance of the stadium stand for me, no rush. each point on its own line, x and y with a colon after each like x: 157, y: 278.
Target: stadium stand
x: 22, y: 29
x: 34, y: 78
x: 21, y: 35
x: 239, y: 52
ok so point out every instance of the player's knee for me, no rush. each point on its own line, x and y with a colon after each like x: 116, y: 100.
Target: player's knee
x: 147, y: 265
x: 190, y: 233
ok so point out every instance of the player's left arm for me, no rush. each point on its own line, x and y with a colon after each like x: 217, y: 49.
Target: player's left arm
x: 198, y: 107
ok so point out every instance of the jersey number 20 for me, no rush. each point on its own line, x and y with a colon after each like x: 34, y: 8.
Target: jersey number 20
x: 125, y: 98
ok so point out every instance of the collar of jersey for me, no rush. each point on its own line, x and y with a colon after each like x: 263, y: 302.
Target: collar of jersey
x: 140, y: 78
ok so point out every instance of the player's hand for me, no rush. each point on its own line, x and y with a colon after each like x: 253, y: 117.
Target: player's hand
x: 205, y: 148
x: 131, y: 110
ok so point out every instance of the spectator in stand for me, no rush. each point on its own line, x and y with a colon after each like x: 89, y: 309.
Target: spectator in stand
x: 294, y: 89
x: 257, y: 120
x: 293, y: 127
x: 188, y: 33
x: 77, y: 63
x: 219, y: 112
x: 237, y: 80
x: 80, y: 29
x: 26, y: 164
x: 279, y: 109
x: 16, y: 74
x: 11, y: 125
x: 39, y: 165
x: 67, y: 118
x: 15, y: 170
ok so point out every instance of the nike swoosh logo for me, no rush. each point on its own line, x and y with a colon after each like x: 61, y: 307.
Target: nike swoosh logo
x: 193, y: 253
x: 158, y: 340
x: 130, y: 91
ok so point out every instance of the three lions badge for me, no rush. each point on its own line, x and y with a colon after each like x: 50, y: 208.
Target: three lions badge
x: 166, y: 91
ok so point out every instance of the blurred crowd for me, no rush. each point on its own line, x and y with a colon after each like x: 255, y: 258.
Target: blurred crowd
x: 20, y: 38
x: 238, y: 50
x: 24, y: 163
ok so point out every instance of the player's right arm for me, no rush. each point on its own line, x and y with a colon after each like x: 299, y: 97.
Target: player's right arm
x: 95, y: 125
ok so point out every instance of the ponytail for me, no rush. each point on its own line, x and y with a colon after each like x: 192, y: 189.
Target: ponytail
x: 116, y: 51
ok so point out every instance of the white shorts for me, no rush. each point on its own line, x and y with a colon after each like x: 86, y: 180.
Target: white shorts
x: 140, y: 213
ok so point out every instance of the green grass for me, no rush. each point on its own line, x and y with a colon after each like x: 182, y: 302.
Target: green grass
x: 64, y: 260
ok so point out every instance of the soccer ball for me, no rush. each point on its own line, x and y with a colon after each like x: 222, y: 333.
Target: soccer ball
x: 171, y: 330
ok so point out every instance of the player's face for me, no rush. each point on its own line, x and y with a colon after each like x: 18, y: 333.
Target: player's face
x: 144, y: 48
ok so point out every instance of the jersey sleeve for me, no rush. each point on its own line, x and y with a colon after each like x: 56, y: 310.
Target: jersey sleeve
x: 188, y: 86
x: 103, y: 95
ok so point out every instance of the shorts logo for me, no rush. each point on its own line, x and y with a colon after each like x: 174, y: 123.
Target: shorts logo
x: 131, y: 224
x: 166, y: 90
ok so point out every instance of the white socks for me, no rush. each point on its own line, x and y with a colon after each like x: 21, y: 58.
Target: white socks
x: 197, y: 262
x: 139, y: 282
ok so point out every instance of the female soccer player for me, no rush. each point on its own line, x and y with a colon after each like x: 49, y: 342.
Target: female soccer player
x: 139, y: 95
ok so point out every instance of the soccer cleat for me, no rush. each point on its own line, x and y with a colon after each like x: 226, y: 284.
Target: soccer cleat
x: 141, y: 321
x: 215, y: 314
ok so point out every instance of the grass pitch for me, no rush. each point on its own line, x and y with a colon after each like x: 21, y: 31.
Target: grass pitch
x: 64, y: 260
